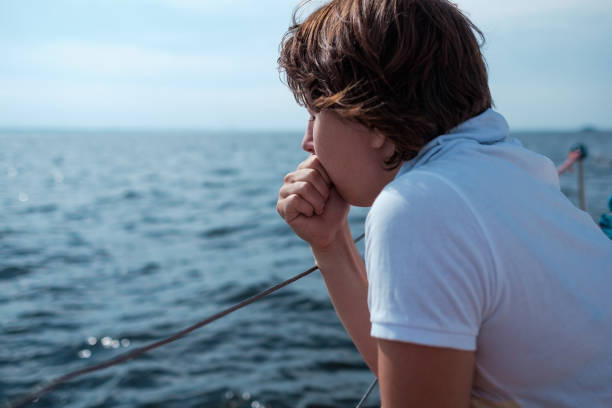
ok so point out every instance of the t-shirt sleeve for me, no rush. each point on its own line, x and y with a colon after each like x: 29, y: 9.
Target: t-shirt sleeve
x: 428, y: 264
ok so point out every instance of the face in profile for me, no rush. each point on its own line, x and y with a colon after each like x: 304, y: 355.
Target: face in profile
x: 352, y: 155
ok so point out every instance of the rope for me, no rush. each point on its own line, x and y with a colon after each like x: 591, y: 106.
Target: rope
x: 140, y: 351
x: 572, y: 158
x: 367, y: 393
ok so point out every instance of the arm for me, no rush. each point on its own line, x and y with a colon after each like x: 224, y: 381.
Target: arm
x: 411, y: 375
x: 317, y: 214
x: 344, y: 274
x: 428, y: 298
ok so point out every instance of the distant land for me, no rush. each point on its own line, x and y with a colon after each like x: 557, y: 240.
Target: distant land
x: 589, y: 129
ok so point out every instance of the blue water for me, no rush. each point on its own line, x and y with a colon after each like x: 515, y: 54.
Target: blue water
x: 110, y: 241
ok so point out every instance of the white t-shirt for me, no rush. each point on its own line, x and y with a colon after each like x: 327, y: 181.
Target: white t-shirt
x: 474, y: 247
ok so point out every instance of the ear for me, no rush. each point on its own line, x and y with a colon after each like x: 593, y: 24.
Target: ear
x: 377, y: 139
x: 384, y: 146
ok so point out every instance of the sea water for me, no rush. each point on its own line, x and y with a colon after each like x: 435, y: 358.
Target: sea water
x: 112, y: 240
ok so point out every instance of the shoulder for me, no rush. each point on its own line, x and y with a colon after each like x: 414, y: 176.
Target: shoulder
x: 419, y: 202
x: 424, y: 220
x: 426, y: 217
x: 428, y: 264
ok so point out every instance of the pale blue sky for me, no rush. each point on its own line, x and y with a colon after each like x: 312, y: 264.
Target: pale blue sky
x: 212, y: 64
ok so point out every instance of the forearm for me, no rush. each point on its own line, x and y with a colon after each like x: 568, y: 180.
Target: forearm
x: 318, y: 214
x: 344, y: 274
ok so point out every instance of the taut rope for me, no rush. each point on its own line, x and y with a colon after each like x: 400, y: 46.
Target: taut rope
x: 141, y: 350
x: 367, y: 393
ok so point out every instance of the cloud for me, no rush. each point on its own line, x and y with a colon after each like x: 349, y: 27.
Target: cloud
x: 237, y: 8
x: 100, y: 104
x: 117, y: 62
x: 485, y: 11
x: 210, y: 62
x: 557, y: 104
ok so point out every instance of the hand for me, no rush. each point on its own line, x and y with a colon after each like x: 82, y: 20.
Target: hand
x: 310, y: 204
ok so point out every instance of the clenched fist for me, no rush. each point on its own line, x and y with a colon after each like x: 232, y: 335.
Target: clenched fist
x: 310, y: 204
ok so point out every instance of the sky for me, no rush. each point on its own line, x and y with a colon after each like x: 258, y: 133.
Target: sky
x: 211, y: 64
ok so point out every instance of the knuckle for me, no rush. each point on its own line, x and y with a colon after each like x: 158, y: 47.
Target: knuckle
x: 282, y: 192
x: 308, y: 162
x: 292, y: 199
x: 311, y: 174
x: 310, y: 189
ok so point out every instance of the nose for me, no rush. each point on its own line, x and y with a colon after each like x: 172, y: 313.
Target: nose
x: 307, y: 142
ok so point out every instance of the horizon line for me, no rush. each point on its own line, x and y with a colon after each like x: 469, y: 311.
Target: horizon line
x: 257, y: 129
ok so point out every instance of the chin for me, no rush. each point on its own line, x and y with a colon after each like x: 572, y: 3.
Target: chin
x: 357, y: 200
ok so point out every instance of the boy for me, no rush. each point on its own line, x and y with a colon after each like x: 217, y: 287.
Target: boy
x: 482, y: 283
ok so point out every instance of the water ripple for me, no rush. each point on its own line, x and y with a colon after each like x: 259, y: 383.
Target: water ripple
x: 10, y: 272
x: 137, y: 243
x: 223, y: 231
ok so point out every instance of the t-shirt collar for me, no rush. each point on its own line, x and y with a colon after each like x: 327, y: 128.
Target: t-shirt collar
x: 487, y: 128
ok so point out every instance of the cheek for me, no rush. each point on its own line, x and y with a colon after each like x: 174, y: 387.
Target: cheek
x: 323, y: 152
x: 333, y: 164
x: 323, y: 141
x: 318, y: 144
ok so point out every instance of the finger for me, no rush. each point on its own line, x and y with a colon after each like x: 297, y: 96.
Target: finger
x: 313, y: 162
x: 306, y: 191
x: 293, y: 206
x: 311, y: 176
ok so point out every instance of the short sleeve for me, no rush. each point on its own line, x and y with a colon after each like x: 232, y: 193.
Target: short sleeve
x: 428, y: 264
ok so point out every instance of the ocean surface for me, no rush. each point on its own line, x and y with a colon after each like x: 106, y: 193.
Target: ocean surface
x: 112, y: 240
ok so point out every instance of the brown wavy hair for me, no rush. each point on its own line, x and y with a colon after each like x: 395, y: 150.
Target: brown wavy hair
x: 412, y: 69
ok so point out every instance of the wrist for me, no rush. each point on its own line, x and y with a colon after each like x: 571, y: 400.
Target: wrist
x: 341, y: 242
x: 340, y: 259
